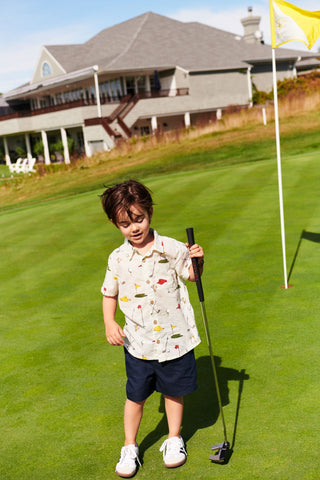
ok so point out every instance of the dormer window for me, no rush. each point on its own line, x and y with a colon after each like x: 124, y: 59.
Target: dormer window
x: 46, y: 69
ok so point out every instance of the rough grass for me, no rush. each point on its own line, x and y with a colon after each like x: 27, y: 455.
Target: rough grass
x: 238, y: 139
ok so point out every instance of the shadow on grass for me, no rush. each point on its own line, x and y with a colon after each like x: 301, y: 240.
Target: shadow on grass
x: 312, y: 237
x: 201, y: 408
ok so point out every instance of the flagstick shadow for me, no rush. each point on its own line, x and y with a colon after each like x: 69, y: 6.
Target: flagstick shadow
x: 243, y: 376
x: 201, y: 408
x: 312, y: 237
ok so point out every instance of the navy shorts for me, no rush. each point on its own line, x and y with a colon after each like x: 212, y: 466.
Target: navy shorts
x: 175, y: 378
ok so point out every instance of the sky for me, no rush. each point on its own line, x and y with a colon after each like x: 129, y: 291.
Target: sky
x: 27, y: 25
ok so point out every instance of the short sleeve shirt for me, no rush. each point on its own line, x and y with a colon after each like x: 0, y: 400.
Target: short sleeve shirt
x: 151, y: 290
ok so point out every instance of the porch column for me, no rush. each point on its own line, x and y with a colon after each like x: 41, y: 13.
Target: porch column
x: 295, y: 67
x: 187, y: 122
x: 6, y: 151
x: 249, y: 86
x: 154, y: 124
x: 173, y: 88
x: 45, y: 147
x: 27, y: 139
x: 87, y: 148
x: 96, y: 84
x: 65, y: 145
x: 148, y: 87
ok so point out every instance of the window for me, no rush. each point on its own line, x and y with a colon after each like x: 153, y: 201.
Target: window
x: 46, y: 69
x: 130, y: 84
x: 144, y: 131
x: 59, y: 98
x: 108, y: 90
x: 114, y: 90
x: 119, y: 87
x: 34, y: 104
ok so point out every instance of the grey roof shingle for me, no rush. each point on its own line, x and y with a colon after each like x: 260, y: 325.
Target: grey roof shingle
x: 151, y: 41
x: 155, y: 41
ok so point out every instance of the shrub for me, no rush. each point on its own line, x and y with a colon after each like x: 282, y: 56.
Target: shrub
x: 20, y: 151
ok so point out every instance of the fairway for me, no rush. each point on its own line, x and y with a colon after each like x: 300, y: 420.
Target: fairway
x: 63, y: 386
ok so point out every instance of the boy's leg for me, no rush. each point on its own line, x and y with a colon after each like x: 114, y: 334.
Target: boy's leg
x: 174, y: 453
x: 132, y: 417
x: 174, y: 412
x: 127, y: 465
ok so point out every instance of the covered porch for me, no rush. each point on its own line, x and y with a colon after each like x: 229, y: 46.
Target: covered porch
x: 48, y: 146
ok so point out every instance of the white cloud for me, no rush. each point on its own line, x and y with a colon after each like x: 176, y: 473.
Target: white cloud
x: 228, y: 20
x: 19, y: 58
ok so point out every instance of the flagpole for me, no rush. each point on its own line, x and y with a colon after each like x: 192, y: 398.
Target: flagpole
x: 276, y: 114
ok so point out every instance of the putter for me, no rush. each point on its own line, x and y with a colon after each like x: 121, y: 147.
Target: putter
x: 221, y: 451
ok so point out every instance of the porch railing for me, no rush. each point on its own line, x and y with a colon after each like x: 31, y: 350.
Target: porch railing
x: 7, y: 115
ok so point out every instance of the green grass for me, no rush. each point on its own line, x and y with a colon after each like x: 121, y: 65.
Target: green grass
x: 63, y: 386
x: 235, y: 146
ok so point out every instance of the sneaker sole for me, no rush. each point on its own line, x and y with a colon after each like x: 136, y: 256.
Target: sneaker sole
x: 126, y: 475
x: 175, y: 465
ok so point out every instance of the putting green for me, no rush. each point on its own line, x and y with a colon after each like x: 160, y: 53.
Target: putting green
x: 62, y: 388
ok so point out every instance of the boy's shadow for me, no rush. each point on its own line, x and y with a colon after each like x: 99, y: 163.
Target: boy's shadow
x: 201, y: 408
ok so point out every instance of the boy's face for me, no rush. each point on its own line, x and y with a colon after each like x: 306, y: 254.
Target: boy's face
x: 137, y: 228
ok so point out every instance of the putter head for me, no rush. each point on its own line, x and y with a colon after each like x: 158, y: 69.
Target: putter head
x: 222, y: 453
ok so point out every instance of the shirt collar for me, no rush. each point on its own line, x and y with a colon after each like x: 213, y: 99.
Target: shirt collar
x: 156, y: 247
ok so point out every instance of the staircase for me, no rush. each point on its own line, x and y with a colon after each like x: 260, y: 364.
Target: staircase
x: 115, y: 122
x: 116, y: 119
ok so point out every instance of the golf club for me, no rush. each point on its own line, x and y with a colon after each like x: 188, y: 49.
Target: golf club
x: 221, y: 450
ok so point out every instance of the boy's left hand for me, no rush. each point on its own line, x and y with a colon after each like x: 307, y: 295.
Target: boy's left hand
x: 195, y: 251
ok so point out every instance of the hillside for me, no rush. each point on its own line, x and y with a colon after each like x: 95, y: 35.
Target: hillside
x: 238, y: 138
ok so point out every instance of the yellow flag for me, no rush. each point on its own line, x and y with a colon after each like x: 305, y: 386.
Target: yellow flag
x: 290, y: 23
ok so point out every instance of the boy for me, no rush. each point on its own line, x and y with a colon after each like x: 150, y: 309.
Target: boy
x: 146, y: 277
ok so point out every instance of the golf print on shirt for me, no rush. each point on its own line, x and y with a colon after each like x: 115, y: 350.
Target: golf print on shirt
x: 155, y: 300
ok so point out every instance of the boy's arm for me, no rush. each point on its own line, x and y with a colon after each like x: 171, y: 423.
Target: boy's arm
x: 114, y: 332
x: 195, y: 252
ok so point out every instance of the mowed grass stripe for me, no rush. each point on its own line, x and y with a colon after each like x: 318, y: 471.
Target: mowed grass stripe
x: 274, y: 342
x: 63, y: 386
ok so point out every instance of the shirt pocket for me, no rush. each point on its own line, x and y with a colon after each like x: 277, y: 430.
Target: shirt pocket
x: 165, y: 277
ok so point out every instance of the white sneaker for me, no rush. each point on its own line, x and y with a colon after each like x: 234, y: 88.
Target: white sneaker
x: 174, y: 453
x: 127, y: 465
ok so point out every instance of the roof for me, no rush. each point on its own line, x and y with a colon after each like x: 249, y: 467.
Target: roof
x: 3, y: 103
x: 152, y: 41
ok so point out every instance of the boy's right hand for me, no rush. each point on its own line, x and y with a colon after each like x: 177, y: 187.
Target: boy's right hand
x: 114, y: 333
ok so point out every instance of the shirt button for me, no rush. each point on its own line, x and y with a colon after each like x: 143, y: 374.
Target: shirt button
x: 152, y: 302
x: 155, y: 322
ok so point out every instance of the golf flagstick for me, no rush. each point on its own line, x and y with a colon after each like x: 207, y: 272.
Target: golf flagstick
x: 222, y: 449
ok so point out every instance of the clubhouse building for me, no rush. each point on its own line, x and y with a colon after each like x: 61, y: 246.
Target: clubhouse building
x: 147, y: 74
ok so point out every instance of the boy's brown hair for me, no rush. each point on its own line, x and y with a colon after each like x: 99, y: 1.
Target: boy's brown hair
x: 122, y: 196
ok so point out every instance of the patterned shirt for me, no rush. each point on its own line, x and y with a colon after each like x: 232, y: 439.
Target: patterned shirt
x: 159, y: 319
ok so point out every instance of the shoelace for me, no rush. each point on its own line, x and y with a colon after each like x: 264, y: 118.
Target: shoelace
x: 173, y: 444
x: 130, y: 452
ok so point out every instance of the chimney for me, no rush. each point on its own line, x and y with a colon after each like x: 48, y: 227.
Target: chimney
x: 252, y: 32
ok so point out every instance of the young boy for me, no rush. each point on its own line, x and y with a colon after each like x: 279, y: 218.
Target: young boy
x: 146, y: 277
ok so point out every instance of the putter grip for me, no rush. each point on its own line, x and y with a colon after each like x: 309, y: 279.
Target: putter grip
x: 195, y: 265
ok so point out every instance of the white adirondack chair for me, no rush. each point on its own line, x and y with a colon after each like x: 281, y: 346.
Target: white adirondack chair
x: 13, y: 167
x: 23, y: 166
x: 30, y: 165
